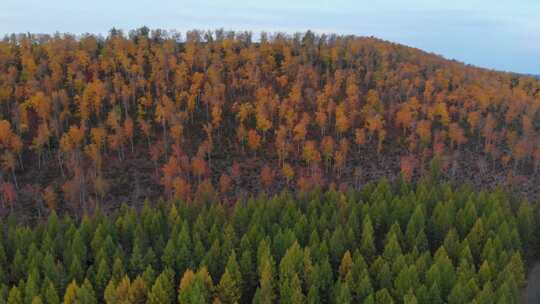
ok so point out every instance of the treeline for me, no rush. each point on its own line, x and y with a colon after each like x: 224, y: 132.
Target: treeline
x: 90, y: 119
x: 427, y: 243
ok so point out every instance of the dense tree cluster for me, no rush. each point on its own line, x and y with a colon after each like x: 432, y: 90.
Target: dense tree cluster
x: 94, y: 119
x: 425, y: 243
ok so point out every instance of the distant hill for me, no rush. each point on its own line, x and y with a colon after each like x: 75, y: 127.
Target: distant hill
x: 90, y: 120
x: 532, y: 75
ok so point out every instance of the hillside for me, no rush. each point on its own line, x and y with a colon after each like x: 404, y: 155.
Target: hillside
x: 102, y: 120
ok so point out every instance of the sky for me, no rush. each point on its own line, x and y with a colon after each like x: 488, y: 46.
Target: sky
x: 496, y: 34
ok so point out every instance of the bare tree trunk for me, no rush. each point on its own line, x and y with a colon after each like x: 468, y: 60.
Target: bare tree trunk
x: 14, y: 178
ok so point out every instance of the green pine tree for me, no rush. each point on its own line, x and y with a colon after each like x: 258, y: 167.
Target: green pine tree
x: 162, y: 291
x: 50, y: 294
x: 85, y: 294
x: 228, y: 290
x: 382, y: 296
x: 37, y: 300
x: 31, y: 288
x: 265, y: 294
x: 136, y: 261
x: 367, y: 243
x: 14, y: 296
x: 343, y: 293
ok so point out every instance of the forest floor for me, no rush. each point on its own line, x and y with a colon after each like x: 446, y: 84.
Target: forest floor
x: 136, y: 178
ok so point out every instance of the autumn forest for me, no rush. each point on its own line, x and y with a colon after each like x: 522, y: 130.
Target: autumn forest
x: 220, y: 167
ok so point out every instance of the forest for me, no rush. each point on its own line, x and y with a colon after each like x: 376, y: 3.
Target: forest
x: 218, y: 167
x: 88, y: 121
x: 404, y: 243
